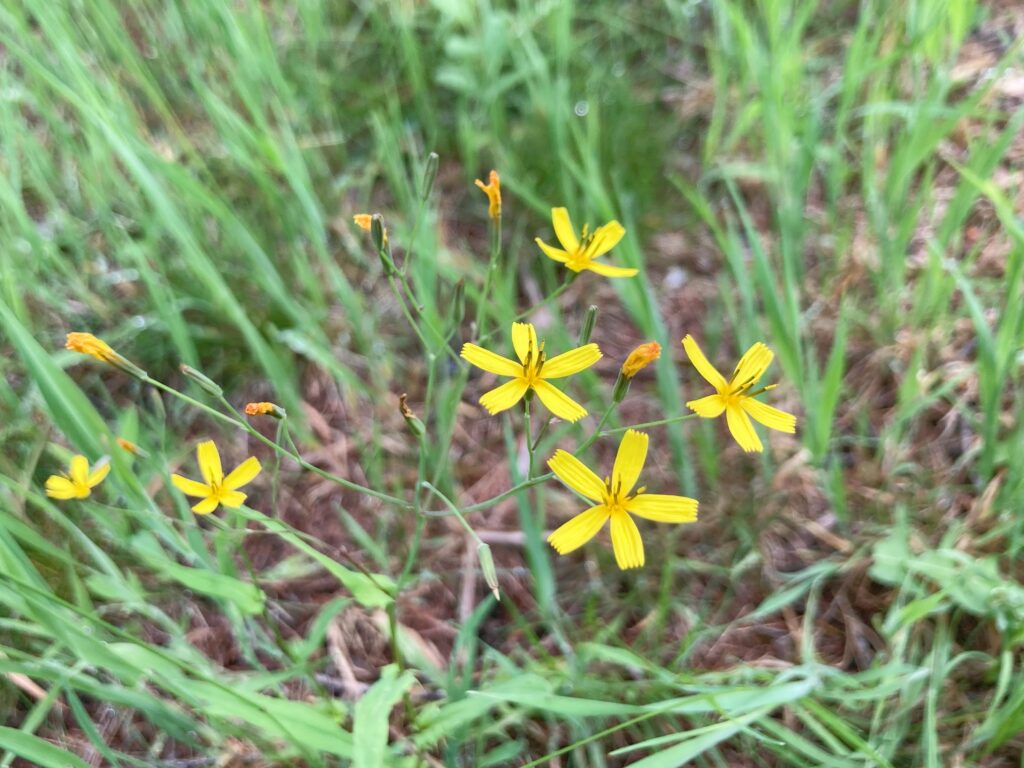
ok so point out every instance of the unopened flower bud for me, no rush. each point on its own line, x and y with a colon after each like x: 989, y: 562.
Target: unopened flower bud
x: 88, y: 344
x: 265, y: 409
x: 640, y: 358
x: 493, y: 191
x: 379, y: 235
x: 429, y: 174
x: 411, y: 419
x: 587, y: 330
x: 483, y: 553
x: 206, y: 383
x: 132, y: 448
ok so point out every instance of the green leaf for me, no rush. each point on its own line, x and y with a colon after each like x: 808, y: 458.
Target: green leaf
x: 372, y: 713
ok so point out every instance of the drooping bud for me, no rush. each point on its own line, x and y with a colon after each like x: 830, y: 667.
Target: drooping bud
x: 379, y: 235
x: 411, y: 419
x: 483, y: 553
x: 429, y: 175
x: 87, y: 344
x: 207, y: 384
x: 587, y: 330
x: 265, y: 409
x: 640, y: 358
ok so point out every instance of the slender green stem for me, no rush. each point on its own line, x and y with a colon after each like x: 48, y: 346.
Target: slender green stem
x: 492, y: 267
x: 241, y: 423
x: 415, y: 326
x: 544, y: 302
x: 454, y: 510
x: 658, y: 423
x: 528, y: 437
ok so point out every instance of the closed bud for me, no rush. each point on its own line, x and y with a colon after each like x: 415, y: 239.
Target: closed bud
x: 207, y: 384
x: 493, y: 191
x: 132, y: 448
x: 483, y: 553
x: 87, y: 344
x: 587, y: 329
x: 411, y: 419
x: 458, y: 308
x: 379, y: 235
x: 429, y: 175
x: 265, y: 409
x: 640, y: 358
x: 621, y: 387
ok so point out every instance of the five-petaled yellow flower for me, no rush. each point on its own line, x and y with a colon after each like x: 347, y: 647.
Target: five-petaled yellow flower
x: 579, y: 254
x: 493, y: 191
x: 616, y: 498
x: 78, y: 482
x: 734, y: 396
x: 533, y: 371
x: 217, y: 489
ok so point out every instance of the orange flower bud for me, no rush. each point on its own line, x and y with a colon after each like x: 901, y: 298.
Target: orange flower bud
x: 493, y: 191
x: 264, y: 409
x: 640, y: 358
x: 88, y: 344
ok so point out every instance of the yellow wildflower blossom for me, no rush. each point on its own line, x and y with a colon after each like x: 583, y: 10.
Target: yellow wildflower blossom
x: 493, y: 191
x: 616, y: 499
x: 216, y: 488
x: 533, y: 371
x: 79, y: 480
x: 579, y: 254
x: 734, y: 396
x: 640, y: 358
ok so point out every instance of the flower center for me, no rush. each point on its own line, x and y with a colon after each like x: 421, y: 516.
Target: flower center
x: 614, y: 497
x: 533, y: 365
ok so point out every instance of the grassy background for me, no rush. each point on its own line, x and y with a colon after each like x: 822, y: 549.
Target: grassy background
x: 839, y: 179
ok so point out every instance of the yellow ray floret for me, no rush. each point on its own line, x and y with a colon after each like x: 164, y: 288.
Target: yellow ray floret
x: 79, y: 480
x: 532, y: 372
x: 734, y: 397
x: 216, y: 489
x: 616, y: 500
x: 580, y: 254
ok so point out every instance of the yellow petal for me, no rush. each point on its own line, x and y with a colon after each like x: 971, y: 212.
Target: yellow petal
x: 233, y: 499
x: 551, y: 252
x: 605, y: 238
x: 709, y: 407
x: 626, y: 541
x: 206, y: 506
x: 559, y: 403
x: 58, y: 487
x: 209, y: 463
x: 79, y: 472
x: 571, y: 362
x: 704, y: 368
x: 607, y: 270
x: 771, y: 417
x: 751, y: 367
x: 242, y: 474
x: 578, y: 531
x: 577, y: 475
x: 629, y: 461
x: 563, y: 230
x: 524, y: 340
x: 504, y: 397
x: 96, y: 476
x: 190, y: 487
x: 663, y: 508
x: 489, y: 361
x: 742, y: 429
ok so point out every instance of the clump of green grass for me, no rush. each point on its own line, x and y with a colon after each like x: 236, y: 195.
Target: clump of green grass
x: 182, y: 180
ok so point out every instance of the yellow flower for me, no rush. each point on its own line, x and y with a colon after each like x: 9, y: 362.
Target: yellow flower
x: 78, y: 482
x: 615, y: 498
x: 217, y: 489
x: 493, y: 191
x: 532, y: 372
x: 734, y: 396
x: 579, y: 255
x: 640, y: 358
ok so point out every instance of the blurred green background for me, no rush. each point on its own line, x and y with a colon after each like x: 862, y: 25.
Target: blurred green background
x: 839, y: 179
